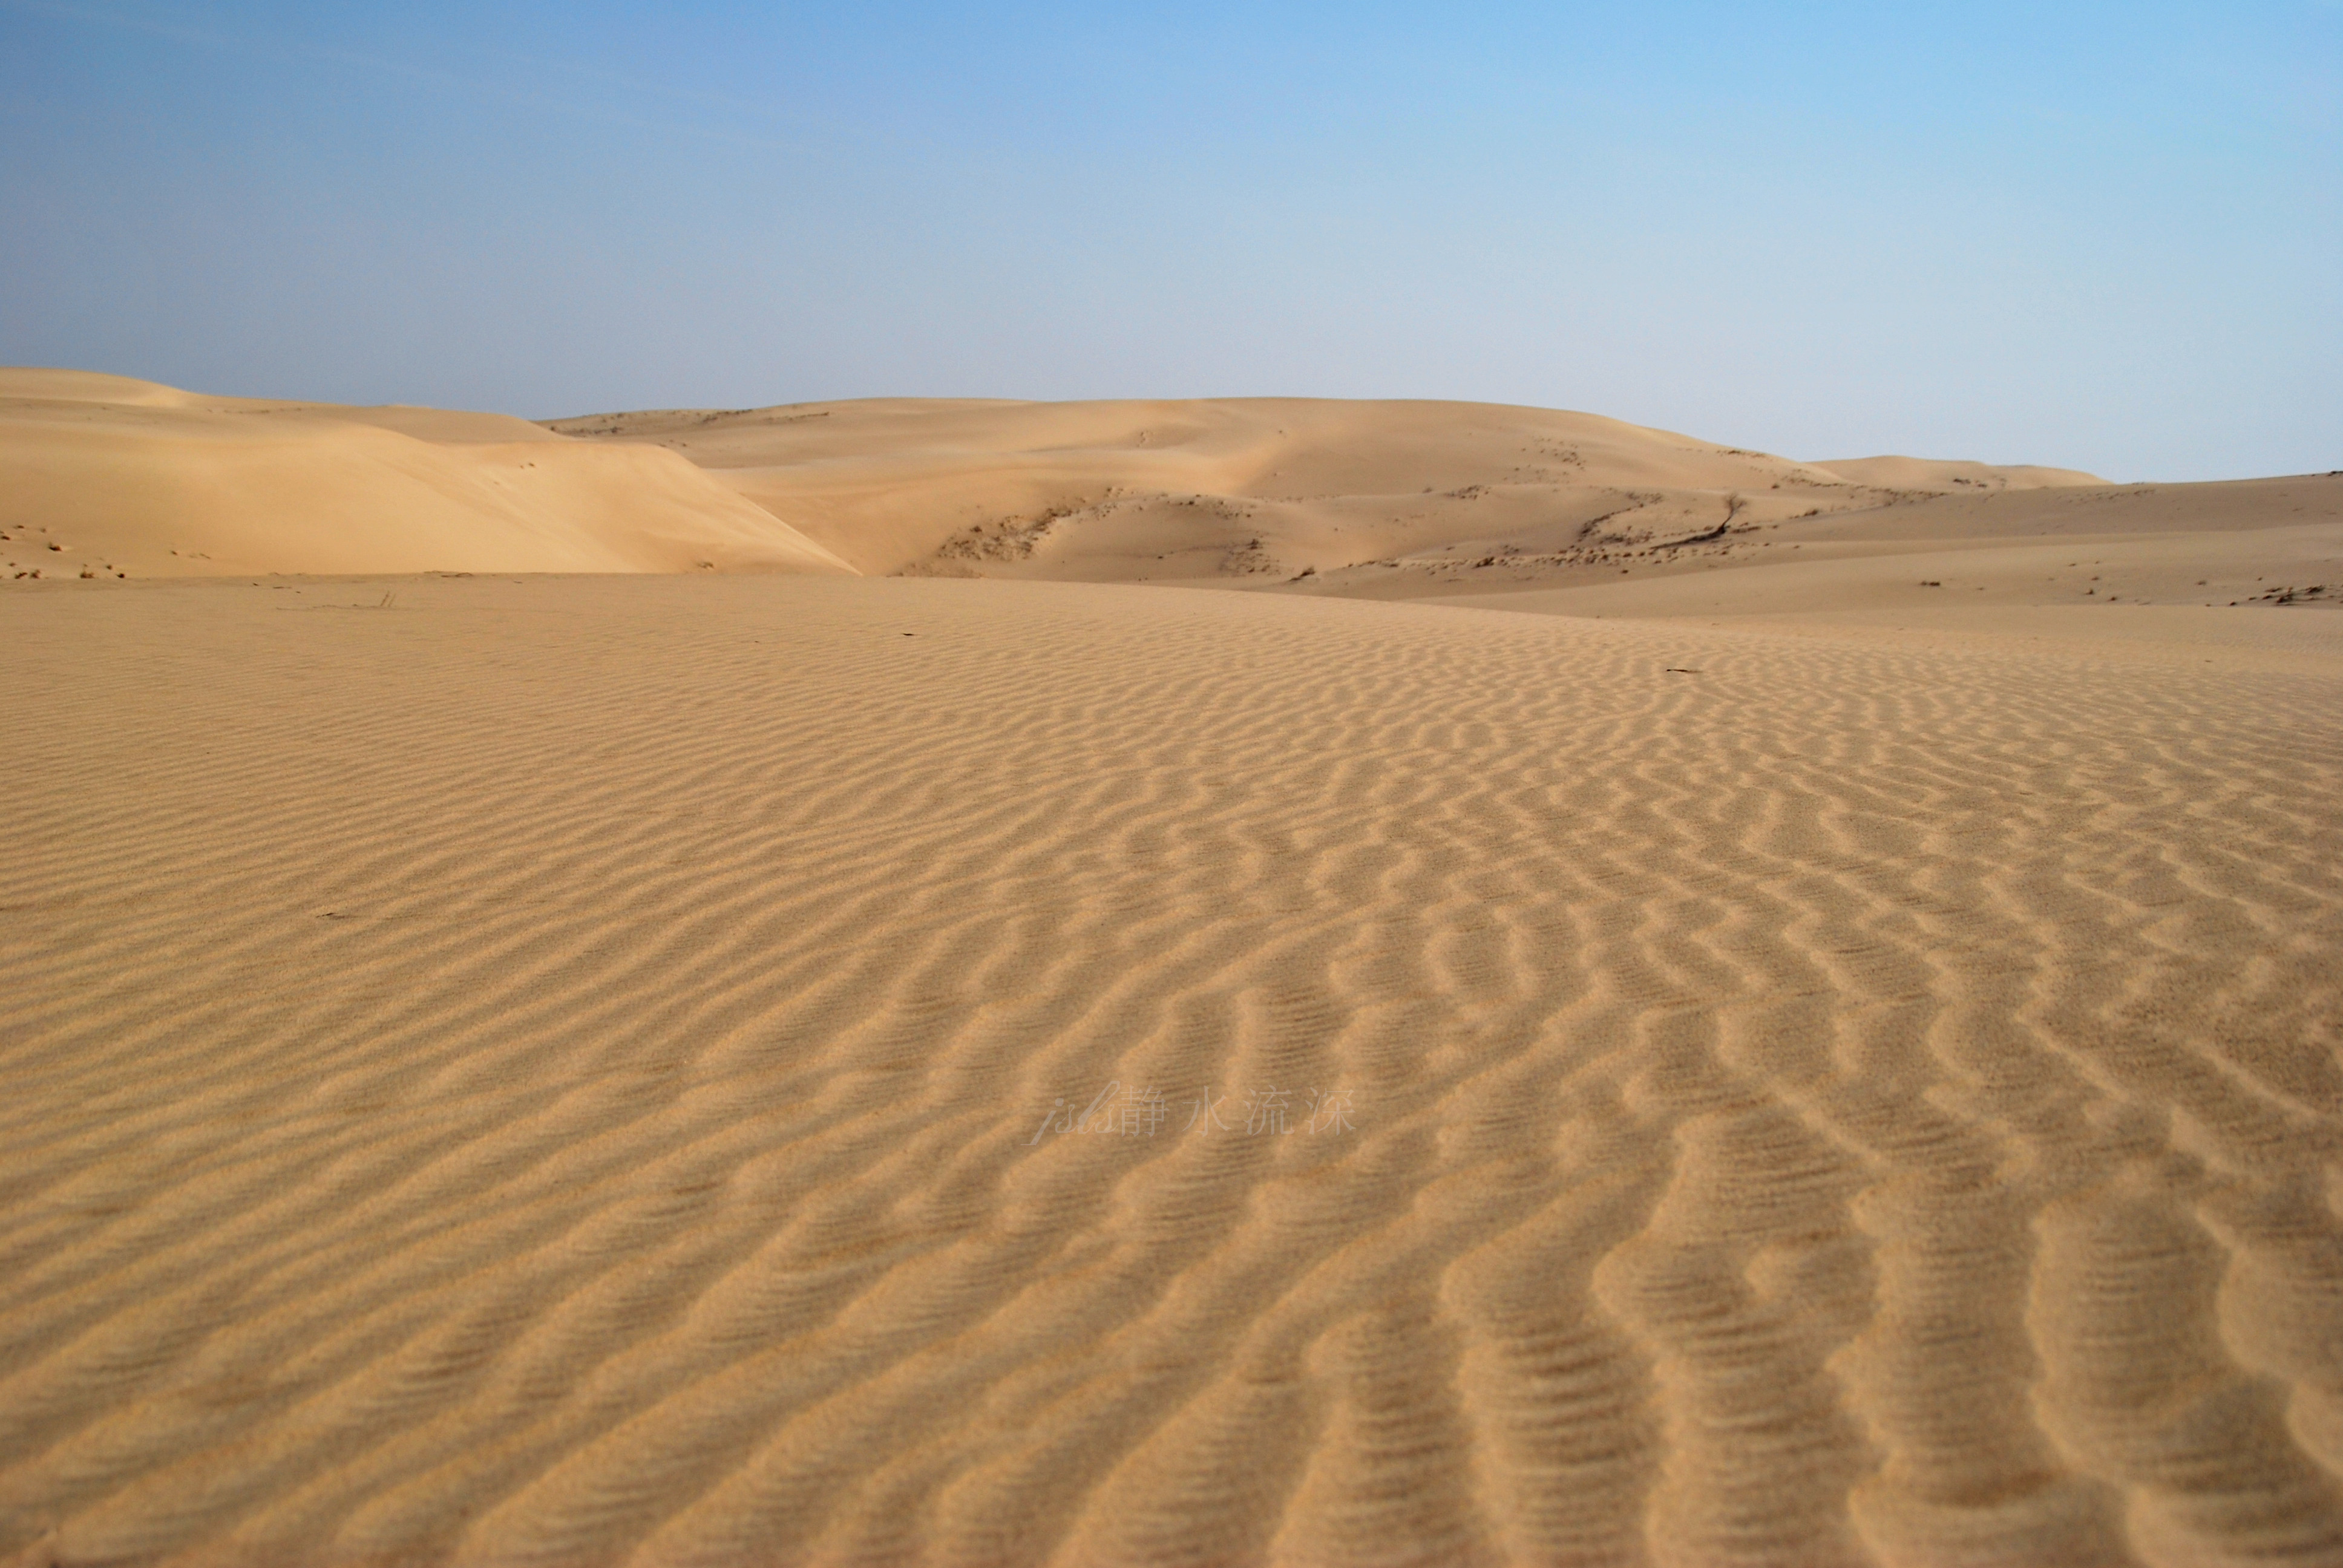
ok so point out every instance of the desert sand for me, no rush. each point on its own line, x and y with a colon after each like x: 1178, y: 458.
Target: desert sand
x: 1817, y: 1045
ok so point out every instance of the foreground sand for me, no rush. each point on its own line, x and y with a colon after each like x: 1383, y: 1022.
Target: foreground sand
x: 564, y: 1071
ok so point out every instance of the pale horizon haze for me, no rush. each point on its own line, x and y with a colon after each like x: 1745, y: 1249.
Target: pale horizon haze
x: 2096, y: 237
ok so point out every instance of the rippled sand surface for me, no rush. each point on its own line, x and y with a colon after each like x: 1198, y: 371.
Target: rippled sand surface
x: 571, y: 1071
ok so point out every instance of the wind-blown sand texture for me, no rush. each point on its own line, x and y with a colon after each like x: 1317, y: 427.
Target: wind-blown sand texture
x: 556, y: 1071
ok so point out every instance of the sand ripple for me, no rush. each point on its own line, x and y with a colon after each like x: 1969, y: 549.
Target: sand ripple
x: 557, y: 1072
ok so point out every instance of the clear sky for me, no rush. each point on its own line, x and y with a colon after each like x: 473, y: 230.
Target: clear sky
x: 2103, y: 237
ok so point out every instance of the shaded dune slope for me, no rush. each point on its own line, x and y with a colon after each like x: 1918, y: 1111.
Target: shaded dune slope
x: 127, y: 477
x: 581, y: 1097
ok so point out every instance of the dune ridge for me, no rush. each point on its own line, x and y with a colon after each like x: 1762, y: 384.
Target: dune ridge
x: 585, y: 1094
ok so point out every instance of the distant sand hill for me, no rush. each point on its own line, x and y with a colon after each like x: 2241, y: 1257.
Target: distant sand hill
x: 1927, y: 473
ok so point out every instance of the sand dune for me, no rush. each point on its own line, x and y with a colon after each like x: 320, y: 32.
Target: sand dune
x: 1236, y: 489
x: 579, y: 1070
x: 1437, y: 500
x: 109, y: 477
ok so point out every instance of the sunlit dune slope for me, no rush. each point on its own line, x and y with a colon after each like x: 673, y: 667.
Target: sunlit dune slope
x: 125, y: 477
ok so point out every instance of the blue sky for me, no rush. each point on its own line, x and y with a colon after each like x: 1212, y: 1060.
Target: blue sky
x: 2108, y: 236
